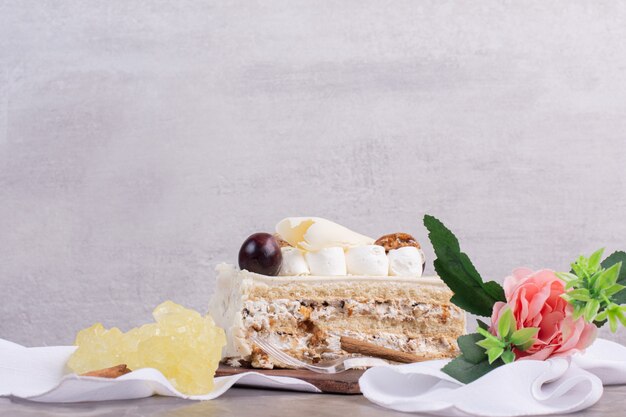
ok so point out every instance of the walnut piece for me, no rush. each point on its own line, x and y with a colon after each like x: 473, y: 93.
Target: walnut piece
x: 112, y: 372
x: 397, y: 240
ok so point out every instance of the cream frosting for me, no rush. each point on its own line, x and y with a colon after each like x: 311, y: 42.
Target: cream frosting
x: 367, y: 260
x: 406, y: 261
x: 327, y: 261
x: 293, y: 262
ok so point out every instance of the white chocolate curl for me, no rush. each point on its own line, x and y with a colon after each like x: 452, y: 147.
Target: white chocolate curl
x: 314, y: 233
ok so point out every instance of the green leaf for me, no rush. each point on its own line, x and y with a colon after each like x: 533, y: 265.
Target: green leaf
x: 465, y: 371
x: 594, y: 260
x: 580, y: 294
x: 612, y: 259
x: 486, y: 334
x: 594, y: 277
x: 482, y: 324
x: 613, y: 289
x: 495, y: 291
x: 473, y: 361
x: 602, y: 316
x: 578, y: 270
x: 614, y: 314
x: 608, y: 277
x: 620, y: 316
x: 566, y: 276
x: 525, y: 346
x: 506, y: 324
x: 508, y: 356
x: 469, y: 348
x: 591, y: 310
x: 524, y: 335
x: 457, y: 271
x: 494, y: 353
x: 612, y: 321
x: 578, y: 312
x: 488, y: 344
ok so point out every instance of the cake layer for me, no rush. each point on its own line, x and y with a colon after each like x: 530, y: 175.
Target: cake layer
x: 357, y: 288
x: 404, y: 316
x: 366, y: 325
x: 306, y: 316
x: 303, y: 347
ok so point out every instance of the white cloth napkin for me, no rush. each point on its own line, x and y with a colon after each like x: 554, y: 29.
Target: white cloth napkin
x: 39, y: 374
x: 522, y: 388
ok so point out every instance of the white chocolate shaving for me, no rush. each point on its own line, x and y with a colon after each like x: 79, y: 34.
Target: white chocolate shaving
x: 314, y: 233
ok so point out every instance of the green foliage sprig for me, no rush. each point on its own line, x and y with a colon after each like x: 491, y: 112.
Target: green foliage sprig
x: 508, y: 337
x: 595, y: 288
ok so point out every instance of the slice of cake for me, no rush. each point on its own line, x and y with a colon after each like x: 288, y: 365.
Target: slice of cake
x: 315, y: 281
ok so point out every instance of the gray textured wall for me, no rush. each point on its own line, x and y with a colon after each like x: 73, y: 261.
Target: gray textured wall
x: 142, y: 141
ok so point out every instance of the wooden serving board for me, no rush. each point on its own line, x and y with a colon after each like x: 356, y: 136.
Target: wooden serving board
x: 346, y: 382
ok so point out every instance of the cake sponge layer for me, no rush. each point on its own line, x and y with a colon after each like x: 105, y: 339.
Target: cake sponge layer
x: 306, y: 316
x: 404, y: 315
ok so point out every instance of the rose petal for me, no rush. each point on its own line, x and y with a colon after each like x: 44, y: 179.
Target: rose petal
x: 522, y: 302
x: 495, y: 316
x: 512, y: 281
x: 549, y: 326
x: 535, y: 299
x: 571, y: 330
x: 540, y: 355
x: 588, y: 336
x: 539, y: 300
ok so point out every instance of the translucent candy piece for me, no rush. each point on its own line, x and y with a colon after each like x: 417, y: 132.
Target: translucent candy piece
x: 182, y: 344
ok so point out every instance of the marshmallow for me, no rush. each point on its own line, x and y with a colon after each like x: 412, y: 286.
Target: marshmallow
x: 314, y: 233
x: 293, y: 262
x: 327, y: 261
x: 406, y: 262
x: 367, y: 260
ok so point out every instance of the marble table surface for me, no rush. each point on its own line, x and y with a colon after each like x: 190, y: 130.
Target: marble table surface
x: 253, y: 402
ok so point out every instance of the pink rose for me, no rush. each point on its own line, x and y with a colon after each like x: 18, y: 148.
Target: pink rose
x: 535, y: 301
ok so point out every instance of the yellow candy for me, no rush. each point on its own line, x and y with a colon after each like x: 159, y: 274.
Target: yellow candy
x: 182, y: 344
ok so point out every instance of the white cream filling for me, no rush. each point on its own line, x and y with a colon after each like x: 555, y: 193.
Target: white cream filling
x: 258, y: 313
x: 331, y: 347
